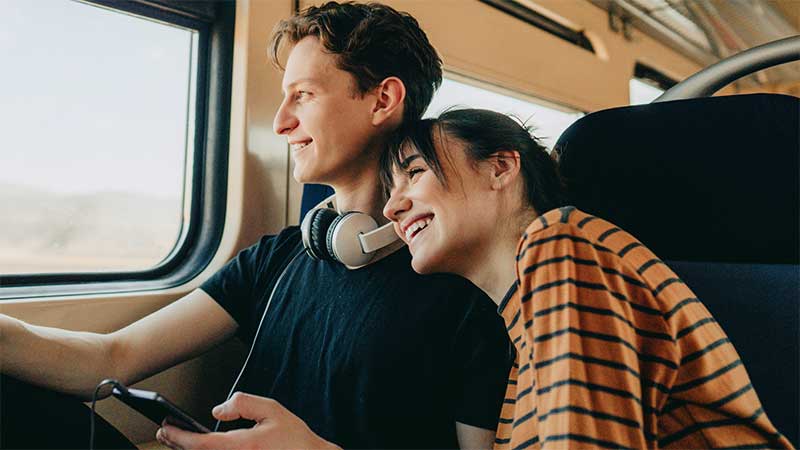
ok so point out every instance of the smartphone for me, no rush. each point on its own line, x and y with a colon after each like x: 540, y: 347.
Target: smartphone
x: 157, y: 408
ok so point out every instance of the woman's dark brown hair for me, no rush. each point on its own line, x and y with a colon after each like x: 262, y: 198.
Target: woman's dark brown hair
x: 482, y: 133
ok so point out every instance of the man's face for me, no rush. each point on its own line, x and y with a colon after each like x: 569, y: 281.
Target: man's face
x: 327, y: 122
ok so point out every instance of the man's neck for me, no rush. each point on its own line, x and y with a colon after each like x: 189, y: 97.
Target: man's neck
x: 366, y: 195
x: 362, y: 193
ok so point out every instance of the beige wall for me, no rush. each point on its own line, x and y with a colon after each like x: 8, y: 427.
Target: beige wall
x: 481, y: 42
x: 787, y: 88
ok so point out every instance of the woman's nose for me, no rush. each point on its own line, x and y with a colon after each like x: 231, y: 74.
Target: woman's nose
x: 397, y: 205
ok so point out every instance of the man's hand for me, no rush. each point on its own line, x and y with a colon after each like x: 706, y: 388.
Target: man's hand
x: 276, y: 428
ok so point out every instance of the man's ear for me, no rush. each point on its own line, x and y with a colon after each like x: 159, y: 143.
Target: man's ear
x: 390, y: 96
x: 504, y: 166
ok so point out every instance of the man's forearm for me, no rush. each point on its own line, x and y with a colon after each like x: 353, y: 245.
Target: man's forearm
x: 67, y: 361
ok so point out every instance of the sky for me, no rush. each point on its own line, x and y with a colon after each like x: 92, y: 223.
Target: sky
x: 94, y: 100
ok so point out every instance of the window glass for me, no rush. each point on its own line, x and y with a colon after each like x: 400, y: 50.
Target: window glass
x: 548, y: 122
x: 641, y: 92
x: 98, y: 114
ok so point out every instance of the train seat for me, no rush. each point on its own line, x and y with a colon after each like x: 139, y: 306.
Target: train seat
x: 313, y: 195
x: 711, y: 186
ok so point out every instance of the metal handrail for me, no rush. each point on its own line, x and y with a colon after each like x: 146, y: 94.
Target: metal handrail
x: 713, y: 78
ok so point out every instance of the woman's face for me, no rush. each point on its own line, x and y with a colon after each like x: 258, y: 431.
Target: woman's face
x: 446, y: 228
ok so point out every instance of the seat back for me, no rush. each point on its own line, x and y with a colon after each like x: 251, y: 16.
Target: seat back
x: 313, y: 195
x: 711, y: 186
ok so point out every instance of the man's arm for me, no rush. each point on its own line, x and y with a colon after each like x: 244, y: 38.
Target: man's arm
x: 74, y: 362
x: 481, y: 349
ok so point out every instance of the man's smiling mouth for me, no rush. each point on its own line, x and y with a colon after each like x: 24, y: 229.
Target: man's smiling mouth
x: 297, y: 146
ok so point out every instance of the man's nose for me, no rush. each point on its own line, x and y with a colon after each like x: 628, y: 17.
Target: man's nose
x: 285, y: 120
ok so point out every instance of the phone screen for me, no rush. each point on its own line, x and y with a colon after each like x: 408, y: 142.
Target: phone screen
x: 157, y: 408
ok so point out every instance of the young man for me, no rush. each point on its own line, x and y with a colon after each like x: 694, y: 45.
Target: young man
x: 365, y: 357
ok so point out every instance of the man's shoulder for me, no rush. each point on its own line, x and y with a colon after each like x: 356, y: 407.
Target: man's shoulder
x: 270, y: 249
x: 287, y: 237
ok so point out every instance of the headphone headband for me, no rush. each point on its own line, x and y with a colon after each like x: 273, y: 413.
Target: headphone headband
x: 378, y: 238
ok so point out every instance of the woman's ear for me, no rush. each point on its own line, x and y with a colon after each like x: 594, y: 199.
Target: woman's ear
x: 504, y: 167
x: 390, y: 96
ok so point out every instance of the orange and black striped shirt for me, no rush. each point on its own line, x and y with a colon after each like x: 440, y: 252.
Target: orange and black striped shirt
x: 614, y: 351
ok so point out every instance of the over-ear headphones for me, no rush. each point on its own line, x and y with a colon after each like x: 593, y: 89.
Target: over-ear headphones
x: 351, y: 238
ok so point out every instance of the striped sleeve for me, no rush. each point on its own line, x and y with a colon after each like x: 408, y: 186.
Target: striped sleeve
x: 599, y: 348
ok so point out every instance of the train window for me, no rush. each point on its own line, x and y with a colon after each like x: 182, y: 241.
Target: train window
x: 548, y: 120
x: 647, y: 84
x: 94, y: 166
x: 101, y: 171
x: 642, y: 92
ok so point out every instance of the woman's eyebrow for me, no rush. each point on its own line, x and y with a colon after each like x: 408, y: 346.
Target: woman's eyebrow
x: 405, y: 163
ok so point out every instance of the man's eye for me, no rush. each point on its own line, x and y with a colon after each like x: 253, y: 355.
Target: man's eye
x: 302, y: 94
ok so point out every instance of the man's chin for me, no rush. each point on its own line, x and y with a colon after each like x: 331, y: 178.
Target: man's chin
x: 302, y: 176
x: 310, y: 175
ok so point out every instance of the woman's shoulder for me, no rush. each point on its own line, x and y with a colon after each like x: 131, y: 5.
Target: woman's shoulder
x: 559, y: 219
x: 572, y: 224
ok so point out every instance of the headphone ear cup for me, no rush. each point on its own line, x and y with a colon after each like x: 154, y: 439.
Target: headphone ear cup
x: 343, y: 242
x: 331, y: 232
x: 319, y: 225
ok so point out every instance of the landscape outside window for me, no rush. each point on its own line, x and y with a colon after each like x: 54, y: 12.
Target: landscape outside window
x: 99, y: 127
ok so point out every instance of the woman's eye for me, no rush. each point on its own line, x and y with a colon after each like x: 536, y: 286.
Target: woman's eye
x: 414, y: 171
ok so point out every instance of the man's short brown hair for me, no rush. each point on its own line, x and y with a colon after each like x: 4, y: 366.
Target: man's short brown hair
x: 372, y: 42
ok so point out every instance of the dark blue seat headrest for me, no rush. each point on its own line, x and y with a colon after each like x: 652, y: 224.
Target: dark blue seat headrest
x: 313, y: 195
x: 709, y: 179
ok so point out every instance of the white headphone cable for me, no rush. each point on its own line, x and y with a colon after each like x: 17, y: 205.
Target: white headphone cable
x: 258, y: 330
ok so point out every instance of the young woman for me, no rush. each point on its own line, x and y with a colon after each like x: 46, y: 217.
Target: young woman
x: 613, y: 351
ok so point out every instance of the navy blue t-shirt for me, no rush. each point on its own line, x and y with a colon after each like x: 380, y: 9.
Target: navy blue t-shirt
x: 377, y: 357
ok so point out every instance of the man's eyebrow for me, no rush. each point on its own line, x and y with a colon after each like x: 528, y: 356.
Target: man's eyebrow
x: 294, y: 83
x: 406, y: 162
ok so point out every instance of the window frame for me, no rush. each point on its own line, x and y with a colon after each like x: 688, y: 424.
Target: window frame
x: 214, y: 23
x: 460, y: 77
x: 654, y: 77
x: 542, y: 22
x: 455, y: 75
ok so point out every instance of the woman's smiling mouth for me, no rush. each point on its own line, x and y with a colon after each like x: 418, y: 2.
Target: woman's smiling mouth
x: 413, y: 229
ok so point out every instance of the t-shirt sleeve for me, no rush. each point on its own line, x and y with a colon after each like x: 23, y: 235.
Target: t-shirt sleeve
x: 595, y: 374
x: 483, y: 356
x: 235, y: 284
